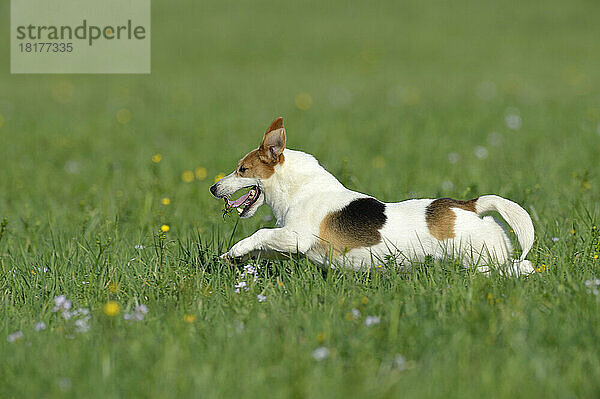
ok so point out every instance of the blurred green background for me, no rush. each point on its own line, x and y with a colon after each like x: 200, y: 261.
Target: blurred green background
x: 392, y: 87
x: 398, y: 99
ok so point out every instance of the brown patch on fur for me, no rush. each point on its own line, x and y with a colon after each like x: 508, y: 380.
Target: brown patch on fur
x: 254, y: 166
x: 440, y: 218
x: 260, y: 163
x: 356, y: 225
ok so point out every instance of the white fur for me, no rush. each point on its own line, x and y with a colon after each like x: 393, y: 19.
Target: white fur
x: 301, y: 193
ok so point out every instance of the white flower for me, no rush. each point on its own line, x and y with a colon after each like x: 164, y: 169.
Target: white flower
x: 15, y: 336
x: 72, y: 167
x: 141, y: 309
x: 39, y: 326
x: 355, y: 313
x: 250, y: 269
x: 593, y: 286
x: 261, y: 298
x: 371, y: 321
x: 241, y: 284
x: 82, y: 325
x: 138, y: 314
x: 399, y: 362
x: 513, y: 121
x: 481, y: 152
x: 453, y: 157
x: 447, y: 185
x: 64, y: 384
x: 81, y: 312
x: 139, y: 246
x: 555, y: 239
x: 61, y: 303
x: 320, y: 353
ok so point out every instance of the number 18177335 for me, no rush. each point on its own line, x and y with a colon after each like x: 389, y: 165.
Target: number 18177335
x: 40, y: 47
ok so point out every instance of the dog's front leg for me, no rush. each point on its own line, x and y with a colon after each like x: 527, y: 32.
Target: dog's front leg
x: 279, y: 240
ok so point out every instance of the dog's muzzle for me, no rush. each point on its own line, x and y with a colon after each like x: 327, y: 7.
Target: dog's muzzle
x: 213, y: 189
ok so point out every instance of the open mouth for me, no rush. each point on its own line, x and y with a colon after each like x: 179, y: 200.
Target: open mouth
x: 244, y: 203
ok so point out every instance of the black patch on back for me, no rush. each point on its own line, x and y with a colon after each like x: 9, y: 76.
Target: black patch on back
x: 361, y: 220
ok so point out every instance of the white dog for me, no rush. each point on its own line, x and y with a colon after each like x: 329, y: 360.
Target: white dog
x: 333, y: 226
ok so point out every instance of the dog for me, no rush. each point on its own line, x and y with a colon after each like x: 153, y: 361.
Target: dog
x: 335, y: 227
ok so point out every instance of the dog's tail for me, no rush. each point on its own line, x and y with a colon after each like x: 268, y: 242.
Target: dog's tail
x: 517, y: 218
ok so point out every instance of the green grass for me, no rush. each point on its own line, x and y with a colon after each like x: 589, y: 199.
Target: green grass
x: 394, y: 89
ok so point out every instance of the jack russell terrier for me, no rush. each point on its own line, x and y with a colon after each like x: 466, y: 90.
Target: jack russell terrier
x: 335, y: 227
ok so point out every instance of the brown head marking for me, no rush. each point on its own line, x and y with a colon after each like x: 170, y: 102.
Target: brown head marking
x: 260, y: 163
x: 440, y: 218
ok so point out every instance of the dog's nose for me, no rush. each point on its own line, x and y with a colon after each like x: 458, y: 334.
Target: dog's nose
x: 213, y: 189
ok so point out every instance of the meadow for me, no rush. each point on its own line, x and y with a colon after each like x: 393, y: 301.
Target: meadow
x: 110, y: 285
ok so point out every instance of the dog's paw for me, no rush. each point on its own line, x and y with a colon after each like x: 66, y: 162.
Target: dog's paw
x: 240, y: 249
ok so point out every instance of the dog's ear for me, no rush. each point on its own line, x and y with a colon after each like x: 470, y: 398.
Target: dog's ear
x: 273, y: 143
x: 276, y: 124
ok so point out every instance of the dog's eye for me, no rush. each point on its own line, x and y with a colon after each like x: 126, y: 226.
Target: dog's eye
x: 242, y: 169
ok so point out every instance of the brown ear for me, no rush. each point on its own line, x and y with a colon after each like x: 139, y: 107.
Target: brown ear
x: 276, y: 124
x: 273, y: 143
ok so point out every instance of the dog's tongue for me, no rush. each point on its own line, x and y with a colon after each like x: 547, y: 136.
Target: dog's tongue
x: 239, y: 201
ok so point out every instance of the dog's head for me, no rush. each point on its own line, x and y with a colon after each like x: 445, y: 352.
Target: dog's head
x: 252, y: 171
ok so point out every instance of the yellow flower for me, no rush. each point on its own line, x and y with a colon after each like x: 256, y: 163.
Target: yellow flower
x: 165, y: 201
x: 201, y: 173
x: 187, y: 176
x: 321, y: 337
x: 164, y: 228
x: 303, y: 101
x: 156, y: 158
x: 573, y: 231
x: 364, y: 300
x: 541, y: 268
x: 379, y: 266
x: 111, y: 308
x: 123, y: 116
x: 219, y: 177
x: 189, y: 318
x: 113, y: 287
x: 595, y: 256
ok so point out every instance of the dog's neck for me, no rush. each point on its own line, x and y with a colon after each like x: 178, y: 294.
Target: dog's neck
x: 299, y: 177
